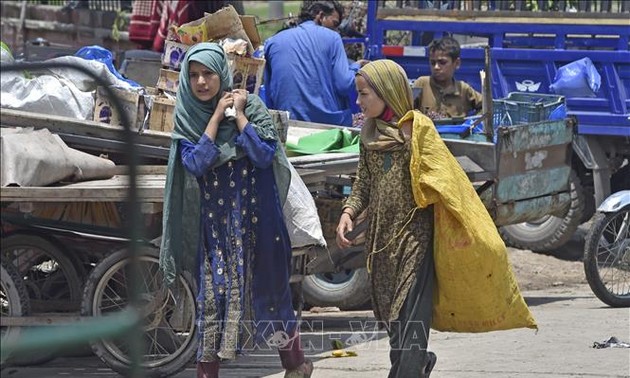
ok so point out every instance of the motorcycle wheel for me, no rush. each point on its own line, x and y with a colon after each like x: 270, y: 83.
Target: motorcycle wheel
x: 607, y: 257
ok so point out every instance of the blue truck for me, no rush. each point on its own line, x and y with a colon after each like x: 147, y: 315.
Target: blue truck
x: 527, y: 47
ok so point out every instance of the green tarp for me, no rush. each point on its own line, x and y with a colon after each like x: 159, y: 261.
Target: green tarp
x: 334, y: 140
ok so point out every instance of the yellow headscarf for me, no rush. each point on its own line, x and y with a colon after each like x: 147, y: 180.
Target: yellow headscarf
x: 390, y: 83
x: 475, y: 289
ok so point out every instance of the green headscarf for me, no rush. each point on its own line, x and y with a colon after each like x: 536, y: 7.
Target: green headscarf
x: 180, y: 222
x: 388, y: 79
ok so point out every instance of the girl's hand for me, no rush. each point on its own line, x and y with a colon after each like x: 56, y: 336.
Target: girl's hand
x: 344, y: 226
x: 226, y: 101
x: 240, y: 100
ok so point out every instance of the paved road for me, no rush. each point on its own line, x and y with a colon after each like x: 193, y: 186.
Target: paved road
x: 570, y: 320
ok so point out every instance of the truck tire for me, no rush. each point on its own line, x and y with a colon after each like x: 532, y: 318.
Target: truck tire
x: 549, y: 232
x: 348, y: 290
x: 169, y: 328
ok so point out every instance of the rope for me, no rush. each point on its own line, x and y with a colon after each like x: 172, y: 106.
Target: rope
x: 409, y: 215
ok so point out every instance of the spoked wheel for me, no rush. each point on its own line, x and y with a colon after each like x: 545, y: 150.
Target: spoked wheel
x: 169, y: 329
x: 13, y: 302
x: 49, y: 276
x: 607, y: 258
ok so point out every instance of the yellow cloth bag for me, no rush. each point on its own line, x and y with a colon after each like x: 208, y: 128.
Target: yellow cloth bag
x: 475, y: 290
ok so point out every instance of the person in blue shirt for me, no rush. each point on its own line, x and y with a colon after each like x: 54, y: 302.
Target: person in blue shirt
x: 307, y: 71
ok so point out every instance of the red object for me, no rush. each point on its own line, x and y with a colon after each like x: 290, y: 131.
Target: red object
x: 393, y: 50
x: 150, y: 20
x: 387, y: 115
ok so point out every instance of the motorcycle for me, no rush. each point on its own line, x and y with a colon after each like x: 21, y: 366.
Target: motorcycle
x: 607, y: 251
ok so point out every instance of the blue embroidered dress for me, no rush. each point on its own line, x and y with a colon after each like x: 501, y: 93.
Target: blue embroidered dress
x: 244, y: 254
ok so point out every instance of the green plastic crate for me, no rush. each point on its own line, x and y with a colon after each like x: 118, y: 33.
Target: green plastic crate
x: 520, y: 107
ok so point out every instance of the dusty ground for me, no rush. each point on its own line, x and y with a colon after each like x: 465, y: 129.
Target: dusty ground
x: 536, y: 271
x: 564, y: 267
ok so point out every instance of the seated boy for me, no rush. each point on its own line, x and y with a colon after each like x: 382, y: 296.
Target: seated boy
x: 440, y: 95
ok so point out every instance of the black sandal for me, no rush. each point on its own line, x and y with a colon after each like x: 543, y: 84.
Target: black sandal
x: 303, y: 371
x: 431, y: 361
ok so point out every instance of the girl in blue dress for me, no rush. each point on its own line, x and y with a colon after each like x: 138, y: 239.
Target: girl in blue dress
x: 228, y: 224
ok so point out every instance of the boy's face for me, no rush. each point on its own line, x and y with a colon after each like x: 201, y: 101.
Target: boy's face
x: 442, y: 66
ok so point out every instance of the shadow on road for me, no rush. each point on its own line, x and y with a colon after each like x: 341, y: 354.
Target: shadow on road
x: 537, y: 301
x: 573, y: 250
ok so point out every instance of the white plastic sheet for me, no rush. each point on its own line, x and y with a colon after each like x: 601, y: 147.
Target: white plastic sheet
x: 56, y: 91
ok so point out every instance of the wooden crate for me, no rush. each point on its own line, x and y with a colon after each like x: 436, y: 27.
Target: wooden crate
x: 162, y: 111
x: 132, y: 104
x: 247, y: 72
x: 168, y: 80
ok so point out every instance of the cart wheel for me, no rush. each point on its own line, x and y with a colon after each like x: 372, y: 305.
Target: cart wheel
x: 169, y: 324
x: 49, y: 276
x: 13, y: 302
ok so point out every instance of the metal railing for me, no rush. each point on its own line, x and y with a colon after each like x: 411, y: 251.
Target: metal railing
x: 569, y: 6
x: 100, y: 5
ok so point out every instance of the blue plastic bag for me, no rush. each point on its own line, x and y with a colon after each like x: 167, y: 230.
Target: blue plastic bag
x: 456, y: 129
x: 577, y: 79
x: 559, y: 113
x: 104, y: 56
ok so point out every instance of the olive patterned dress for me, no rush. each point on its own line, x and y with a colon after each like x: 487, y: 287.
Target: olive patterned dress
x: 399, y: 233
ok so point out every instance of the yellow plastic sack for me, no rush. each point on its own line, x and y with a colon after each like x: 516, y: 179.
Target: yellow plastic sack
x: 475, y: 290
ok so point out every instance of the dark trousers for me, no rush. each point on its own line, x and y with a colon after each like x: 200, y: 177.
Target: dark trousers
x: 409, y: 335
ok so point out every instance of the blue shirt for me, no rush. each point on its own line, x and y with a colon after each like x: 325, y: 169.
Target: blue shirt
x: 307, y: 73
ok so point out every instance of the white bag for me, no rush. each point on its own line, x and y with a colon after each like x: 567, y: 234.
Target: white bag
x: 300, y: 214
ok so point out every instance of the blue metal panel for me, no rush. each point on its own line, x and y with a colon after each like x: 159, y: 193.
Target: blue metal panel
x: 514, y: 140
x: 533, y: 160
x: 590, y: 129
x: 530, y: 209
x: 496, y: 31
x: 532, y: 184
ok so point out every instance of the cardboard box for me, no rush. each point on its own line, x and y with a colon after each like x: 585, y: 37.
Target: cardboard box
x: 173, y: 55
x: 132, y: 104
x: 162, y: 112
x: 225, y: 23
x: 168, y: 80
x: 249, y: 24
x: 247, y: 72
